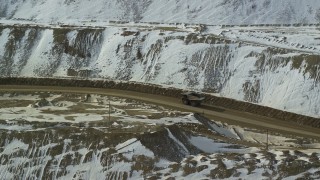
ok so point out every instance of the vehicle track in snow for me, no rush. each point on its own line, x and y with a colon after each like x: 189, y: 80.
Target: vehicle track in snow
x: 233, y: 117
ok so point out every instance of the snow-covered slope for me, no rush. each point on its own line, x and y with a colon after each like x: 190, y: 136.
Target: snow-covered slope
x: 186, y: 11
x: 257, y: 64
x: 272, y: 65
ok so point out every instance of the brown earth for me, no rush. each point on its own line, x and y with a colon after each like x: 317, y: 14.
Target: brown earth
x: 217, y: 108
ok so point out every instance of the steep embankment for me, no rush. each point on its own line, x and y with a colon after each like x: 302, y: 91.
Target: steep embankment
x: 204, y: 11
x: 171, y: 56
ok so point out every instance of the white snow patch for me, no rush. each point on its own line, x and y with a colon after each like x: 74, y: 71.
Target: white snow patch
x: 210, y: 146
x: 14, y: 146
x: 133, y: 147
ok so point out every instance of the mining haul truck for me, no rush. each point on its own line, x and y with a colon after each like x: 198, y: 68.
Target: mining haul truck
x: 192, y: 98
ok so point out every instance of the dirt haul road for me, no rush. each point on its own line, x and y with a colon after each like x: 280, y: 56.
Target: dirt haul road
x: 229, y: 116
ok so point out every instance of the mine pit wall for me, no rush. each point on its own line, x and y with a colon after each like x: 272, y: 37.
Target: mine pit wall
x: 278, y: 78
x: 171, y: 92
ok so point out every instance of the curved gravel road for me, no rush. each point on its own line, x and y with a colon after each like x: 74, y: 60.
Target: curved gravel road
x: 229, y: 116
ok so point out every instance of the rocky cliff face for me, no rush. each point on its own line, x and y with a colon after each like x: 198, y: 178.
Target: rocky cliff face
x: 278, y: 77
